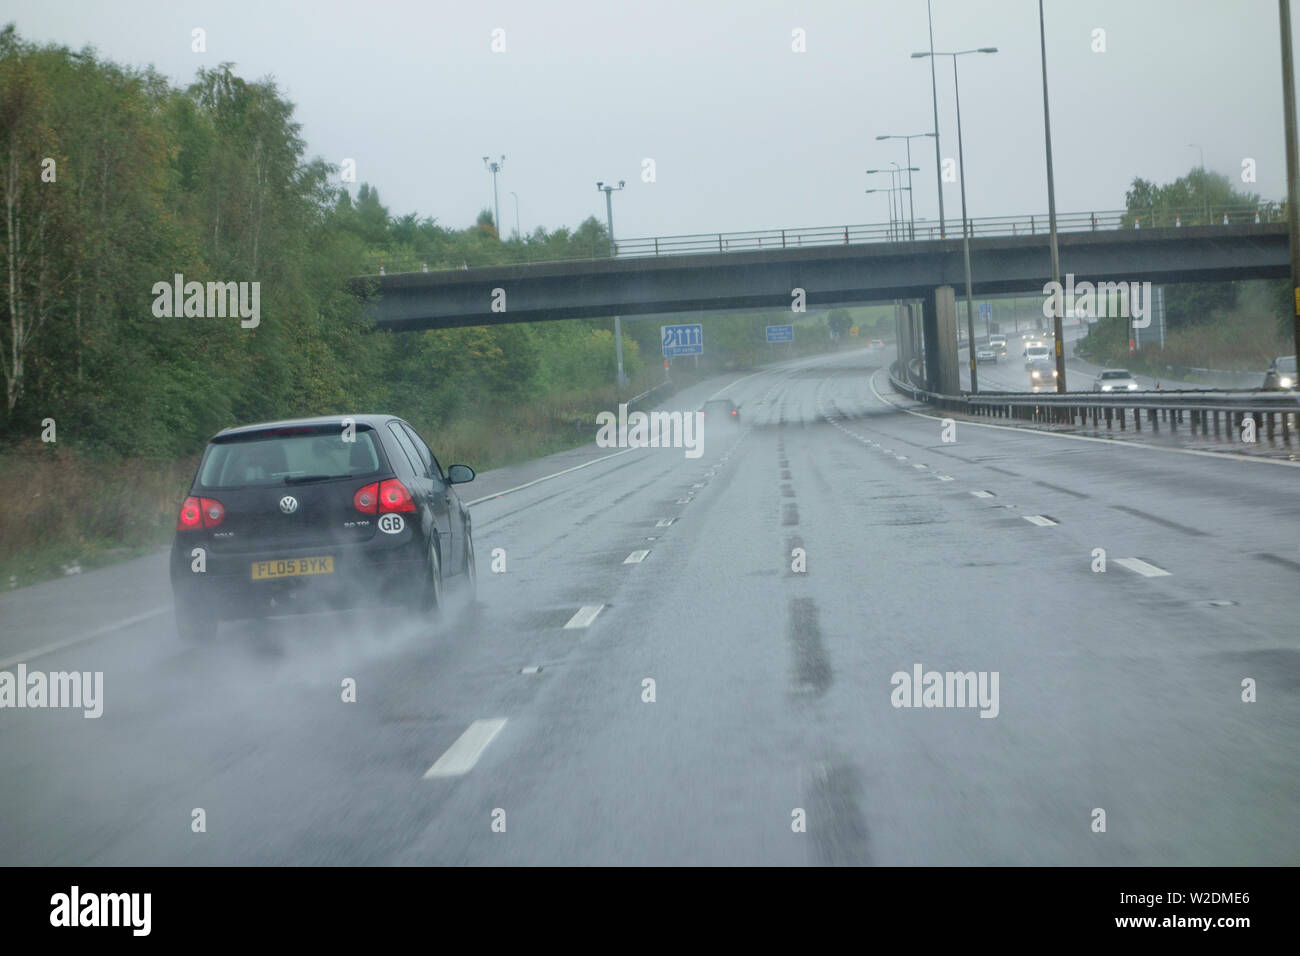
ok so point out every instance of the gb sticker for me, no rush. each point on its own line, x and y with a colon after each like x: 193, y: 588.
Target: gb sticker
x: 391, y: 524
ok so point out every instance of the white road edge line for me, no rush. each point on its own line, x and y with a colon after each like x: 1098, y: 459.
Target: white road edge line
x: 983, y: 494
x: 535, y: 481
x: 636, y: 557
x: 469, y: 746
x: 584, y: 616
x: 1040, y: 520
x: 1142, y: 567
x: 71, y: 641
x: 664, y: 522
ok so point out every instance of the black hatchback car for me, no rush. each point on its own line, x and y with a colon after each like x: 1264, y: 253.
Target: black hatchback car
x: 318, y: 514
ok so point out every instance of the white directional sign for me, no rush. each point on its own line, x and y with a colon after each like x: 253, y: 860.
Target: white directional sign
x: 682, y: 340
x: 780, y: 333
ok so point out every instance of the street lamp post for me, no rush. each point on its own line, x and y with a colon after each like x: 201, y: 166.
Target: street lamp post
x: 934, y: 95
x: 1292, y: 161
x: 495, y: 167
x: 910, y: 169
x: 877, y: 172
x: 618, y: 321
x: 1058, y: 333
x: 965, y: 231
x: 890, y: 196
x: 518, y: 233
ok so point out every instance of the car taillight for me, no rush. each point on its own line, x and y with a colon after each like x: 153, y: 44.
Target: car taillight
x: 191, y: 518
x: 200, y: 513
x: 366, y: 500
x: 733, y: 411
x: 393, y: 496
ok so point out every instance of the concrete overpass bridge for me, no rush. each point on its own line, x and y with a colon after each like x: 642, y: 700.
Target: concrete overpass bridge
x: 834, y: 265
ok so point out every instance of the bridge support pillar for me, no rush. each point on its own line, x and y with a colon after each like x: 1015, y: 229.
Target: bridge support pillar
x: 940, y: 325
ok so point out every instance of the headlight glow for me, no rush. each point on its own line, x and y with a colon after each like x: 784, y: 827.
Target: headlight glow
x: 1285, y: 382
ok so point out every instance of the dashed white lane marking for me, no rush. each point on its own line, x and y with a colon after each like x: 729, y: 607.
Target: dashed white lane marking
x: 664, y: 522
x: 983, y: 494
x: 469, y: 746
x: 1041, y: 520
x: 584, y: 616
x: 944, y: 477
x: 683, y: 501
x: 530, y: 669
x: 1142, y: 567
x: 920, y: 467
x: 81, y: 639
x: 636, y: 557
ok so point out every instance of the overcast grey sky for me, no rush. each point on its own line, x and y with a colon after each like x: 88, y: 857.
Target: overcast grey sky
x: 745, y: 133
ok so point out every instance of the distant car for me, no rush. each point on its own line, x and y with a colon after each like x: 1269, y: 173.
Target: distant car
x: 1281, y: 374
x: 999, y: 342
x: 1114, y: 380
x: 985, y: 353
x: 723, y: 408
x: 317, y: 514
x: 1037, y: 353
x: 877, y: 344
x: 1042, y: 374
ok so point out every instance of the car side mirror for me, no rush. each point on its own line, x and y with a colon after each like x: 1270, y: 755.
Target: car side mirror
x: 459, y: 474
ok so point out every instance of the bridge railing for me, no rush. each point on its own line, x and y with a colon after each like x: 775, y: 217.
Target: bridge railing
x: 861, y: 234
x: 1217, y: 413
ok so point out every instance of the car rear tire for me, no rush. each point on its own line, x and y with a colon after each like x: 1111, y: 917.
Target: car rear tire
x: 471, y: 570
x: 428, y: 602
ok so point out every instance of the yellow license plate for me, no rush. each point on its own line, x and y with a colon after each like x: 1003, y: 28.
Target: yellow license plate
x: 291, y: 567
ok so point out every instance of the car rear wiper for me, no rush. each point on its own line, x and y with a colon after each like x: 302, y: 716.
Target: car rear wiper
x: 303, y: 479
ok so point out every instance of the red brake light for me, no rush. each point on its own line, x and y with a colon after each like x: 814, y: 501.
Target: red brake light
x: 191, y: 515
x: 393, y: 496
x: 366, y: 500
x: 733, y: 411
x: 200, y: 513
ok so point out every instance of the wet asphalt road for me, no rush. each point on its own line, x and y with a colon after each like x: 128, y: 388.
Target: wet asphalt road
x: 1119, y: 691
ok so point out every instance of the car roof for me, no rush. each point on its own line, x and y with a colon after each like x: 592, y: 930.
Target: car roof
x: 367, y: 420
x: 1113, y: 371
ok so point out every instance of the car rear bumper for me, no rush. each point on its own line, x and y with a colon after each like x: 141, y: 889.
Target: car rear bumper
x: 374, y: 573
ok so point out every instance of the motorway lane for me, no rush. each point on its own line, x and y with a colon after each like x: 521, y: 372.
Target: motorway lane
x: 772, y: 687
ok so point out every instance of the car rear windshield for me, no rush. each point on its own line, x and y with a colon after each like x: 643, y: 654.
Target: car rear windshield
x: 283, y: 456
x: 1118, y: 374
x: 1286, y: 364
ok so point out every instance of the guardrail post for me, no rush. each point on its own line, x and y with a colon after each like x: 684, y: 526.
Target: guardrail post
x: 1137, y: 419
x: 1269, y: 423
x: 782, y: 238
x: 719, y: 242
x: 1286, y: 427
x: 656, y: 245
x: 1032, y: 229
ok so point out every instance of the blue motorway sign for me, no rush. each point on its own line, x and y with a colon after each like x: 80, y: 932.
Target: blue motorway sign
x: 780, y: 333
x: 986, y: 309
x: 682, y: 340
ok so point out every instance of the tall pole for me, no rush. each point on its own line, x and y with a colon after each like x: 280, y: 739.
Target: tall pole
x: 965, y: 240
x: 911, y: 208
x: 1292, y: 162
x: 518, y: 233
x: 1057, y: 332
x: 618, y: 321
x: 494, y: 166
x: 934, y: 92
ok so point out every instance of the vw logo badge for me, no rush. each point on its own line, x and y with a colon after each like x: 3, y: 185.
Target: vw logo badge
x: 288, y: 504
